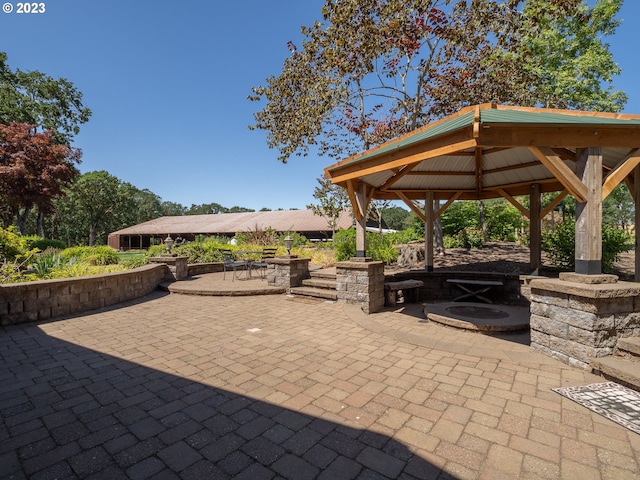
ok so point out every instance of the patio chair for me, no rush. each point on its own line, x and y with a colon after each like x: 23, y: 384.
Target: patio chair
x: 262, y: 263
x: 230, y: 263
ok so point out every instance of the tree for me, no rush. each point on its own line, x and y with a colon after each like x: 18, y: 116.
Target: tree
x: 34, y: 170
x: 332, y: 200
x: 573, y: 67
x: 396, y: 217
x: 90, y: 210
x: 38, y: 99
x: 372, y: 69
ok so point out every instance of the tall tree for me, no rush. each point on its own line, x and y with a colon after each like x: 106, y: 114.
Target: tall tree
x: 38, y: 99
x: 373, y: 69
x: 90, y: 210
x: 332, y: 200
x: 34, y: 170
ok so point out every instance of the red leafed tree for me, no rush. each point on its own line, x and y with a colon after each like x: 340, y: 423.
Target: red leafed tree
x: 34, y: 169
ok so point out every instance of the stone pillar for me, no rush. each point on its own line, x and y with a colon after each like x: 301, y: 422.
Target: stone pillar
x: 580, y: 317
x: 178, y: 268
x: 287, y: 271
x: 361, y: 281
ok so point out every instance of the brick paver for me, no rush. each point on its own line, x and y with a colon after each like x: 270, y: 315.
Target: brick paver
x: 179, y: 386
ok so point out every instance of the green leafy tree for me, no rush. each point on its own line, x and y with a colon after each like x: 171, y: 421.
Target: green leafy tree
x: 37, y: 99
x: 332, y: 200
x: 396, y: 217
x: 618, y: 209
x: 172, y: 209
x: 372, y: 69
x: 573, y: 66
x: 91, y: 209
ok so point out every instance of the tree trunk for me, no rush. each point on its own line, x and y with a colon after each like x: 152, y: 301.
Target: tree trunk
x: 39, y: 224
x: 92, y: 235
x: 22, y: 221
x: 483, y: 221
x: 438, y: 232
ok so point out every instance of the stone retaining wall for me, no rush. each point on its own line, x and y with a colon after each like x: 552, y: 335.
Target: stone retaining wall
x: 45, y: 299
x: 575, y: 321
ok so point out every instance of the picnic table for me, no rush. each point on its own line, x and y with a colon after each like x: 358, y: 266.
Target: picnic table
x: 474, y: 288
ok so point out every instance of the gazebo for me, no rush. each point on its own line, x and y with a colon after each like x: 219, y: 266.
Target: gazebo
x: 490, y: 151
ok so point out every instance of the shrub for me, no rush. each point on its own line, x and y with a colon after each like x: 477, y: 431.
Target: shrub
x: 471, y: 237
x: 378, y: 248
x: 13, y: 246
x: 561, y: 247
x: 101, y: 255
x: 33, y: 241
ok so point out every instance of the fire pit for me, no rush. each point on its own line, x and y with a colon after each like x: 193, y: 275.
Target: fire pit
x: 479, y: 317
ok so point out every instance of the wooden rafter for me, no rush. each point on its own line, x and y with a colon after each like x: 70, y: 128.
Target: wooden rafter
x: 620, y: 172
x: 419, y: 212
x: 515, y: 203
x: 554, y: 203
x: 442, y: 209
x: 381, y: 166
x: 352, y: 188
x: 564, y: 174
x: 478, y: 167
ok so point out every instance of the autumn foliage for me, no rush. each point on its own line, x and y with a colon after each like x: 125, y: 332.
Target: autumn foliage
x: 34, y: 169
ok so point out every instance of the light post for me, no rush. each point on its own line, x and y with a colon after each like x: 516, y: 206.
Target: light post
x: 168, y: 243
x: 288, y: 243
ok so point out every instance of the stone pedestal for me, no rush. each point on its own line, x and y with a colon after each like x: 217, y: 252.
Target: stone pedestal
x: 287, y: 271
x: 178, y: 269
x: 361, y: 280
x: 579, y: 317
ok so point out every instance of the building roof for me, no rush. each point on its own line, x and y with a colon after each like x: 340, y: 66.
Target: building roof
x: 487, y: 151
x: 231, y: 223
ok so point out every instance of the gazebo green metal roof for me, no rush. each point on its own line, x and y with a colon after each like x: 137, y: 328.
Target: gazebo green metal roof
x: 485, y: 151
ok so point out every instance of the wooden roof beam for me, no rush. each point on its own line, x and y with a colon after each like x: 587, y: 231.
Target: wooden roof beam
x: 620, y: 172
x: 564, y: 174
x: 442, y: 209
x: 554, y: 203
x: 380, y: 164
x: 514, y: 202
x: 419, y: 212
x: 352, y: 188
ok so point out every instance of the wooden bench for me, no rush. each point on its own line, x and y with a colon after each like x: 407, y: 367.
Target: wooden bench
x: 481, y: 286
x: 409, y: 289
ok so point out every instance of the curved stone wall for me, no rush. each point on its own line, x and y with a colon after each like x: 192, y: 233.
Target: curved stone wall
x: 45, y: 299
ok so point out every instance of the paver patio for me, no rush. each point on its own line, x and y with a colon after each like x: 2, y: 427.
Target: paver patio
x: 180, y: 386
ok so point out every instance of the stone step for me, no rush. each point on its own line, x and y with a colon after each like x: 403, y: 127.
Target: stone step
x: 322, y: 274
x: 630, y: 346
x: 315, y: 292
x: 618, y: 369
x: 320, y: 283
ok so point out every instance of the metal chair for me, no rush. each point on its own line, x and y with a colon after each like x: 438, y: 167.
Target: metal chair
x: 230, y: 262
x: 262, y: 264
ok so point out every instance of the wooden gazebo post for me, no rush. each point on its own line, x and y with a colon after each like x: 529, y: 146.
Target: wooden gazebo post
x: 428, y: 231
x: 360, y: 208
x: 589, y: 213
x: 535, y: 228
x: 636, y: 196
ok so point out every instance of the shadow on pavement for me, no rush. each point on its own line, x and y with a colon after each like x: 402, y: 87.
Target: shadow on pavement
x: 71, y: 412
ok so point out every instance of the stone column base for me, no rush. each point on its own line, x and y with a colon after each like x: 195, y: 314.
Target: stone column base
x: 361, y: 280
x: 578, y: 317
x: 178, y: 269
x: 287, y: 271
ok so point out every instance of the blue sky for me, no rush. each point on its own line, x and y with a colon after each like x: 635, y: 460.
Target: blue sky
x: 168, y: 82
